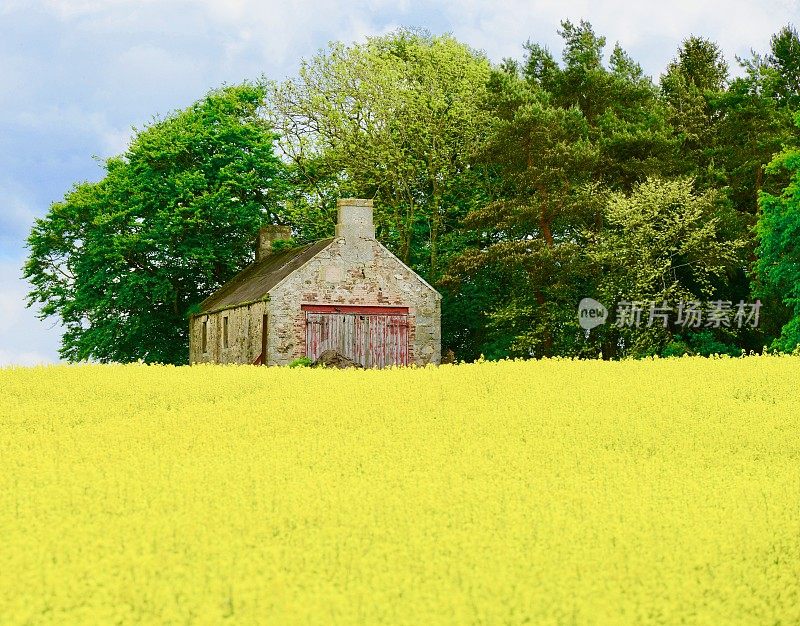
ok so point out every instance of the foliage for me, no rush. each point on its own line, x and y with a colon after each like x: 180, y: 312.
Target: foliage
x: 649, y: 492
x: 301, y: 362
x: 282, y: 244
x: 123, y: 260
x: 692, y: 82
x: 560, y: 139
x: 567, y: 140
x: 778, y: 230
x: 784, y: 59
x: 662, y: 244
x: 395, y: 119
x: 500, y: 184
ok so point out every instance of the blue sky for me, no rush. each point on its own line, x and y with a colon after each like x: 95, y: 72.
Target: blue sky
x: 77, y: 75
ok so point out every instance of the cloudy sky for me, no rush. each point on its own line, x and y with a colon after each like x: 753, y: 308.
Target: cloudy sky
x: 77, y: 75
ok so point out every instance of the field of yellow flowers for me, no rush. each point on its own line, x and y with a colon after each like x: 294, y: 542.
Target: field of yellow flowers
x: 541, y: 492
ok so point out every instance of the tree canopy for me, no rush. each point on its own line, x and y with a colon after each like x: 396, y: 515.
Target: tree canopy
x: 396, y: 119
x: 778, y: 230
x: 122, y: 261
x: 610, y: 186
x: 517, y: 188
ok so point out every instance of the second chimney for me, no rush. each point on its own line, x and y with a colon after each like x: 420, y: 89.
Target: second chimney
x: 355, y: 218
x: 267, y: 236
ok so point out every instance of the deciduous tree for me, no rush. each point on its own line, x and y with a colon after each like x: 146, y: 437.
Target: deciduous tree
x: 395, y: 119
x: 778, y: 229
x: 121, y: 262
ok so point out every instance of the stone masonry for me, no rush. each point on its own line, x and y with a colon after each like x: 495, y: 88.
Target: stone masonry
x: 353, y: 269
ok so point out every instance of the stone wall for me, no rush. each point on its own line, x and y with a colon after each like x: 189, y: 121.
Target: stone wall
x: 244, y: 335
x: 354, y: 271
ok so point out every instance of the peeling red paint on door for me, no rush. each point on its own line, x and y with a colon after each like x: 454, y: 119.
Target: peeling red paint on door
x: 372, y: 336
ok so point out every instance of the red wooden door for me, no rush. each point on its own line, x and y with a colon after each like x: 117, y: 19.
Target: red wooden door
x: 372, y: 336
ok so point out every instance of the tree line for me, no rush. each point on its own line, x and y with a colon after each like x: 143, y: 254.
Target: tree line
x: 516, y: 188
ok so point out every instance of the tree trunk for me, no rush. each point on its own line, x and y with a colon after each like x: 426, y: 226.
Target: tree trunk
x: 407, y: 235
x: 547, y: 232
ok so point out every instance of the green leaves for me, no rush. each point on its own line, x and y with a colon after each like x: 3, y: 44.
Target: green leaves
x: 560, y: 139
x: 122, y: 261
x: 395, y: 119
x: 778, y: 230
x: 662, y: 243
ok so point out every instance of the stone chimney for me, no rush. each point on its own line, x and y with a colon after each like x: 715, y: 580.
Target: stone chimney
x: 269, y: 234
x: 355, y: 218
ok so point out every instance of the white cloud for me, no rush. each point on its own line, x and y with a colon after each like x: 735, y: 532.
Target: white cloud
x: 16, y: 212
x: 248, y: 33
x: 10, y: 357
x: 115, y: 140
x: 76, y: 121
x: 190, y: 46
x: 76, y: 8
x: 24, y: 339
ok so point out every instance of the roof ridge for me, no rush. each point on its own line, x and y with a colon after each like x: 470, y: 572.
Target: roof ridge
x: 255, y: 280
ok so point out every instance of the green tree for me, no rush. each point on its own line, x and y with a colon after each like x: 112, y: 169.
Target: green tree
x: 395, y: 119
x: 784, y: 58
x: 751, y: 122
x: 778, y: 229
x: 544, y: 159
x: 561, y: 138
x: 122, y: 261
x: 663, y: 243
x: 693, y: 80
x: 751, y: 126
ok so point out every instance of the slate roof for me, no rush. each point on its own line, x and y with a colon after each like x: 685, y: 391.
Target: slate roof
x: 255, y: 281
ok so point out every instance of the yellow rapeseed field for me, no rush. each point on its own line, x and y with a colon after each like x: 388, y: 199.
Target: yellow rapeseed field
x: 548, y: 492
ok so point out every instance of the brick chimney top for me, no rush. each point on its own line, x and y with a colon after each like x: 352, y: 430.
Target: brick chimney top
x: 269, y: 234
x: 355, y: 218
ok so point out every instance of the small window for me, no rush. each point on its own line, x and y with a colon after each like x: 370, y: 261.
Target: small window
x: 225, y: 332
x: 205, y: 337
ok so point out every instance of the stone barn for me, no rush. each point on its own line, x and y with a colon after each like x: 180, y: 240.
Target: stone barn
x: 347, y: 293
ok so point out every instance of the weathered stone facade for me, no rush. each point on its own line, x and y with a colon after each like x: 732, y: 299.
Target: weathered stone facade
x: 353, y: 269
